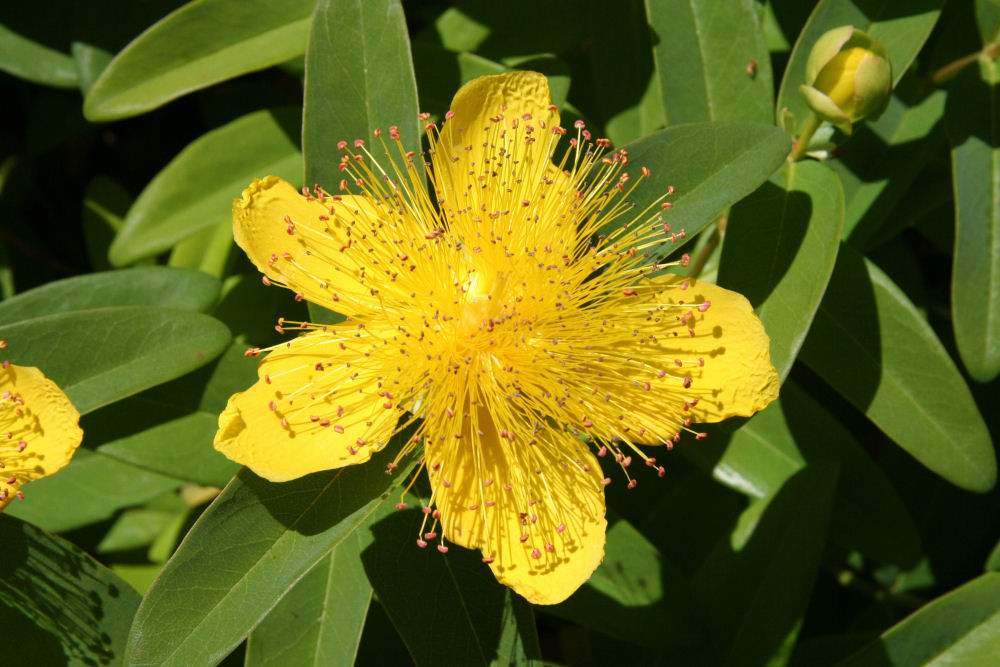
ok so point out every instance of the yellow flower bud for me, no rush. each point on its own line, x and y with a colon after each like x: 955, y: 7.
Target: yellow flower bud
x: 849, y: 77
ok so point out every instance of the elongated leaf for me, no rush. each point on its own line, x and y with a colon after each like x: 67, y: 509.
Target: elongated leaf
x: 320, y: 621
x: 901, y: 25
x: 36, y: 62
x: 100, y: 355
x: 202, y: 43
x: 711, y: 59
x: 635, y: 594
x: 147, y: 286
x: 756, y: 595
x: 196, y: 190
x: 870, y: 344
x: 882, y: 162
x: 973, y: 131
x: 476, y: 621
x: 169, y: 429
x: 781, y: 244
x: 244, y: 554
x: 59, y: 605
x: 711, y: 166
x: 90, y: 489
x: 359, y: 77
x: 795, y: 431
x: 960, y: 628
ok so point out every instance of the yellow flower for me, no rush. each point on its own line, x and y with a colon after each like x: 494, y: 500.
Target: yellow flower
x: 39, y: 428
x: 488, y: 310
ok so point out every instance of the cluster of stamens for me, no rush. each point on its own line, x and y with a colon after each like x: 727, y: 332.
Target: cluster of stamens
x: 484, y: 280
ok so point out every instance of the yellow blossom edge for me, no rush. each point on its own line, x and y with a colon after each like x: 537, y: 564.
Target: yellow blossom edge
x: 310, y: 410
x: 39, y: 429
x: 495, y: 311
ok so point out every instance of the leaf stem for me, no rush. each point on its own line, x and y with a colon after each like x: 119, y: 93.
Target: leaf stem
x: 710, y: 245
x: 799, y: 148
x: 948, y: 72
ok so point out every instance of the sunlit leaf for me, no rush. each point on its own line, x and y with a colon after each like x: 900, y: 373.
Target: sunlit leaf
x: 781, y: 244
x: 869, y: 342
x: 710, y: 165
x: 711, y: 59
x: 320, y: 620
x: 359, y: 77
x: 244, y: 554
x: 972, y: 121
x: 202, y: 43
x: 90, y: 489
x: 59, y: 606
x: 101, y: 355
x: 30, y: 60
x: 959, y: 628
x: 196, y: 190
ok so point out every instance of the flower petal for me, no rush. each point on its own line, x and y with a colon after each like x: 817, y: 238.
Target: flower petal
x: 317, y: 406
x: 707, y: 340
x: 303, y: 243
x: 530, y: 499
x: 39, y: 429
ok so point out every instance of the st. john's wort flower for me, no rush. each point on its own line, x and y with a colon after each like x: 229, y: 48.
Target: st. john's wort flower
x: 508, y: 307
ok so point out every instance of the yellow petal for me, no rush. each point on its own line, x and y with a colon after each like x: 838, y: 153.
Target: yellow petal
x: 316, y: 407
x: 494, y: 153
x: 542, y: 487
x: 720, y: 343
x: 302, y: 242
x: 39, y: 429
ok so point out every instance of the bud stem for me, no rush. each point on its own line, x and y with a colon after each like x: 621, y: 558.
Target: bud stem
x: 799, y: 148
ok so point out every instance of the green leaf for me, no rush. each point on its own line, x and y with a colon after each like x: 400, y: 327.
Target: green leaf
x: 59, y: 606
x: 320, y: 620
x: 105, y: 202
x: 90, y: 489
x: 711, y: 166
x: 476, y: 621
x: 196, y: 190
x: 960, y: 628
x: 703, y: 55
x: 169, y: 429
x: 781, y: 244
x: 972, y: 122
x: 101, y: 355
x: 635, y: 594
x: 245, y: 553
x: 359, y: 77
x: 200, y: 44
x: 901, y: 25
x: 795, y: 431
x: 154, y: 285
x: 140, y: 526
x: 33, y: 61
x: 993, y: 560
x: 756, y: 593
x: 988, y: 20
x: 883, y: 160
x: 870, y: 344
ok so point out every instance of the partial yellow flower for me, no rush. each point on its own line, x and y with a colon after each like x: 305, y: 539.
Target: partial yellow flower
x: 513, y: 311
x: 39, y: 428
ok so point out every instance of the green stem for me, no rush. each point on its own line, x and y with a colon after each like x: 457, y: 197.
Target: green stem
x: 799, y: 149
x: 948, y: 72
x: 713, y: 242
